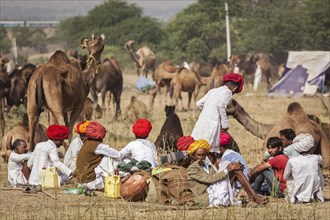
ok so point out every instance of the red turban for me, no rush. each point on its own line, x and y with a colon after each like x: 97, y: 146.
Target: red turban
x: 184, y: 142
x: 95, y: 131
x: 142, y: 128
x: 236, y: 78
x: 58, y: 132
x: 224, y: 138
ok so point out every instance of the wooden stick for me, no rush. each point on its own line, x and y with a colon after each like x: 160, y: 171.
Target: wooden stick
x: 51, y: 196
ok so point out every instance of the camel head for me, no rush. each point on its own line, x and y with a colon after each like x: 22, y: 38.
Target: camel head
x: 129, y: 45
x: 94, y: 45
x: 3, y: 61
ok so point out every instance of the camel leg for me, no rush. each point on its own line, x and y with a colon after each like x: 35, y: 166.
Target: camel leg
x: 189, y: 100
x: 117, y: 101
x: 103, y: 93
x: 74, y: 116
x: 94, y: 96
x: 325, y: 150
x: 33, y: 120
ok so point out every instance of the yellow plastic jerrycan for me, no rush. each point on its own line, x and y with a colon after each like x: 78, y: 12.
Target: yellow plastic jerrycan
x: 49, y: 178
x: 112, y: 186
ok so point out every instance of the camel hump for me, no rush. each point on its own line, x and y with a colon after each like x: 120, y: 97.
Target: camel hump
x: 59, y: 58
x: 294, y: 107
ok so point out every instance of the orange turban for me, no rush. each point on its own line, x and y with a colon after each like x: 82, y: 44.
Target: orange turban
x: 142, y: 127
x: 95, y: 131
x: 80, y: 128
x: 184, y: 142
x: 224, y: 138
x: 236, y: 78
x: 58, y: 132
x: 199, y: 144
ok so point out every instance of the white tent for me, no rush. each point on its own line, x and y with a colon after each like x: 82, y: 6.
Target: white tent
x: 316, y: 63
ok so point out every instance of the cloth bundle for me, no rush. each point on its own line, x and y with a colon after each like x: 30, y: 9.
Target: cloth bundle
x: 303, y: 142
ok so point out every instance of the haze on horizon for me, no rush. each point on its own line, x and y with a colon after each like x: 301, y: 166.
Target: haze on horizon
x: 60, y: 10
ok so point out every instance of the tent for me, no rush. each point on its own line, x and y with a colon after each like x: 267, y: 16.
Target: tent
x: 304, y: 74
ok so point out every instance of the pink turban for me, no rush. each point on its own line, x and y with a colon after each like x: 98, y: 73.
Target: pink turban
x: 184, y: 142
x: 142, y: 127
x: 224, y: 138
x: 236, y: 78
x: 95, y: 131
x: 58, y: 132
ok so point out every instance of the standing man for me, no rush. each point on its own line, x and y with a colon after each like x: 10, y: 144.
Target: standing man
x: 213, y: 117
x: 45, y: 155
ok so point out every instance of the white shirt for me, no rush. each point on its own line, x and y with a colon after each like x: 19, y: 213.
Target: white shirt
x: 141, y: 149
x: 45, y: 155
x: 15, y: 165
x: 70, y: 157
x: 304, y: 178
x: 213, y: 116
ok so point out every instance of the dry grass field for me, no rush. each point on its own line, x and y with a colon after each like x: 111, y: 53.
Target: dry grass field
x: 53, y: 204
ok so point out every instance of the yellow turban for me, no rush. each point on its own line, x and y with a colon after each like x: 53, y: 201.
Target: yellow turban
x: 199, y: 144
x: 80, y: 128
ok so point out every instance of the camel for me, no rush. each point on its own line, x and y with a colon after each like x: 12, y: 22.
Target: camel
x: 19, y: 79
x: 135, y: 110
x: 144, y: 59
x: 61, y: 86
x: 2, y: 119
x: 204, y: 69
x: 108, y: 78
x: 185, y: 80
x: 215, y: 79
x: 295, y: 118
x: 4, y: 77
x: 171, y: 130
x: 21, y: 131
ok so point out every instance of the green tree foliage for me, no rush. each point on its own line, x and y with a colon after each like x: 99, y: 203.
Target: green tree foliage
x: 5, y: 43
x: 118, y: 20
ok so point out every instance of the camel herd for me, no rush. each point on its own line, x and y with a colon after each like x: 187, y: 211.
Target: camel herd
x: 62, y: 85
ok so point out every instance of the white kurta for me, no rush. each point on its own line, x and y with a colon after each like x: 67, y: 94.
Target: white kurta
x: 141, y: 149
x: 71, y: 154
x: 305, y: 181
x: 213, y: 116
x: 45, y: 155
x: 221, y: 192
x: 15, y: 165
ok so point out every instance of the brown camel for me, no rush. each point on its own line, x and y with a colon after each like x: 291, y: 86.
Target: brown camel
x: 61, y: 86
x: 136, y: 109
x: 144, y: 59
x: 185, y: 80
x: 295, y: 118
x: 19, y: 79
x: 215, y: 79
x: 108, y: 78
x: 21, y: 131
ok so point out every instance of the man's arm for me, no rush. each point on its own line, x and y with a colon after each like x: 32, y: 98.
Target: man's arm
x: 53, y: 156
x: 222, y: 109
x: 203, y: 177
x: 259, y: 168
x: 105, y: 150
x: 288, y: 171
x: 20, y: 157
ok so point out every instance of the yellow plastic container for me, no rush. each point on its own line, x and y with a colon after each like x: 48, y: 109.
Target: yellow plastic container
x: 112, y: 186
x: 49, y: 177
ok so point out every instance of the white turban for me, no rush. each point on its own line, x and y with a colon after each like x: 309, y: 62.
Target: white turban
x: 303, y: 142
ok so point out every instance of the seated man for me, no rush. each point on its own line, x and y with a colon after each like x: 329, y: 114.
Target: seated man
x: 211, y: 187
x: 303, y: 174
x: 274, y: 177
x: 92, y: 156
x: 70, y: 157
x: 45, y: 155
x: 287, y: 137
x: 18, y: 172
x: 141, y: 148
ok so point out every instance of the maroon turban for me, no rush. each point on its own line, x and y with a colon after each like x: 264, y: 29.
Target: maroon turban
x: 95, y: 131
x: 58, y: 132
x: 236, y: 78
x: 184, y: 142
x: 224, y: 138
x: 142, y: 128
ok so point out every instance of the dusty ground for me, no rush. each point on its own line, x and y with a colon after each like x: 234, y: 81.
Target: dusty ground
x: 55, y: 205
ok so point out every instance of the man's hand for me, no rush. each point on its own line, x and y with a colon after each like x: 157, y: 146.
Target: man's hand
x: 224, y: 129
x: 235, y: 166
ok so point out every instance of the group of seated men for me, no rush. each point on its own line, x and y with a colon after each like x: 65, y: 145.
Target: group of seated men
x: 214, y: 178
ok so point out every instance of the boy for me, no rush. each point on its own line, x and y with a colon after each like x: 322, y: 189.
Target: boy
x: 18, y: 172
x: 274, y: 176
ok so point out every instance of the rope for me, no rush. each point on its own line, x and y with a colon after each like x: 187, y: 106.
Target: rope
x: 92, y: 58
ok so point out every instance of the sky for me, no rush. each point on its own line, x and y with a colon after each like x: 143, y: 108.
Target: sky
x: 55, y: 9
